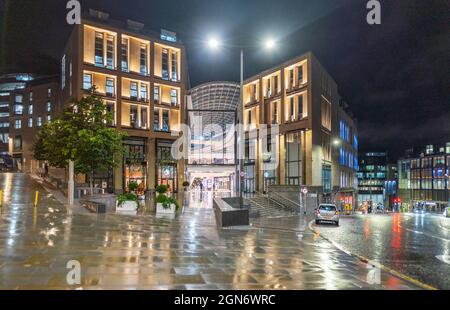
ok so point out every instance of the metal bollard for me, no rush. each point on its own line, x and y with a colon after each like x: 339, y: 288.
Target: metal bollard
x: 36, y: 199
x: 1, y: 199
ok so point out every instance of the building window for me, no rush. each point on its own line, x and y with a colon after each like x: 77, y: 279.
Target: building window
x: 144, y: 118
x: 133, y: 90
x: 49, y: 106
x: 293, y: 160
x: 49, y: 118
x: 326, y: 114
x: 18, y: 109
x: 87, y: 81
x: 144, y: 93
x: 110, y: 109
x: 4, y: 137
x: 300, y: 75
x: 144, y: 59
x: 124, y: 55
x: 31, y: 97
x: 269, y: 88
x: 18, y: 124
x: 291, y: 78
x: 49, y: 92
x: 134, y: 116
x: 30, y: 109
x: 291, y: 108
x: 447, y: 148
x: 165, y: 64
x: 174, y: 97
x: 326, y: 178
x: 98, y: 49
x: 255, y: 92
x: 275, y: 85
x: 165, y: 121
x: 249, y: 117
x: 4, y: 125
x: 300, y: 106
x: 110, y: 89
x: 430, y: 149
x: 275, y: 113
x: 30, y: 123
x: 17, y: 143
x: 174, y: 66
x: 18, y: 98
x: 110, y: 52
x: 39, y: 122
x: 156, y: 121
x: 156, y: 96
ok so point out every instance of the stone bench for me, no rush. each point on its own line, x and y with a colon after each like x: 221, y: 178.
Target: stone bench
x: 94, y: 207
x: 231, y: 212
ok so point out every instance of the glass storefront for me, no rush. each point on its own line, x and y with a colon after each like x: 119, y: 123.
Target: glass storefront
x: 135, y: 162
x: 166, y: 166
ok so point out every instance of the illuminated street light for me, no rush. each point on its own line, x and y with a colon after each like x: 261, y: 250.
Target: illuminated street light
x: 270, y: 44
x: 213, y: 43
x: 337, y: 142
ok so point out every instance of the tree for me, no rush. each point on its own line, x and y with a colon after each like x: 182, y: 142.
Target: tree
x: 82, y: 134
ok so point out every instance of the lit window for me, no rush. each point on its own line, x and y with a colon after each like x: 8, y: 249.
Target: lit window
x: 156, y: 96
x: 110, y: 52
x: 174, y: 97
x: 18, y: 109
x: 110, y: 89
x: 165, y: 64
x: 18, y: 124
x: 143, y: 59
x: 17, y: 143
x: 49, y: 106
x: 124, y: 55
x: 133, y: 90
x: 87, y: 81
x: 143, y: 92
x: 39, y: 122
x: 49, y: 118
x: 30, y: 123
x: 18, y: 98
x: 63, y: 72
x: 30, y: 109
x: 98, y: 49
x: 174, y: 67
x: 31, y: 96
x: 49, y: 92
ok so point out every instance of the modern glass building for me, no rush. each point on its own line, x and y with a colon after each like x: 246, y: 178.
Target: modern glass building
x: 211, y: 116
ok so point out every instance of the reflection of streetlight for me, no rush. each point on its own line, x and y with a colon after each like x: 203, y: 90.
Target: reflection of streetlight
x: 337, y: 142
x: 213, y: 43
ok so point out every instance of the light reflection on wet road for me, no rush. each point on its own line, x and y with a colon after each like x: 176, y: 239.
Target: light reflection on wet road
x: 151, y: 252
x: 415, y: 245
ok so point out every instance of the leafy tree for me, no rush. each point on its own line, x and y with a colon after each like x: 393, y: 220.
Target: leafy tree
x: 82, y: 135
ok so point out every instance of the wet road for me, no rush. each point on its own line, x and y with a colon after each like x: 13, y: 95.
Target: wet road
x: 151, y: 252
x: 415, y: 245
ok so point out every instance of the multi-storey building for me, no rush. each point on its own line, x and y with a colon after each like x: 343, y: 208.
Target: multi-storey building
x: 317, y: 142
x: 141, y: 77
x: 372, y: 176
x: 9, y: 83
x: 30, y: 108
x: 423, y: 175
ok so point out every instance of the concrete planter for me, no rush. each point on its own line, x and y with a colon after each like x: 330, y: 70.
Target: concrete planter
x: 128, y: 206
x: 161, y: 210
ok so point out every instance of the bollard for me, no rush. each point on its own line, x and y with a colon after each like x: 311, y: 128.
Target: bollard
x: 36, y: 198
x: 1, y: 199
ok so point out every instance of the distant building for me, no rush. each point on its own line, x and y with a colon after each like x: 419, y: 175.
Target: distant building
x: 372, y: 176
x: 423, y: 175
x: 318, y: 137
x: 37, y: 103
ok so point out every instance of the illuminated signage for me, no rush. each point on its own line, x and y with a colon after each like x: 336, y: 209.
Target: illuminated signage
x: 168, y: 36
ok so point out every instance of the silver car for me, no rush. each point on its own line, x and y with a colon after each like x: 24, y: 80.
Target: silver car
x: 327, y: 213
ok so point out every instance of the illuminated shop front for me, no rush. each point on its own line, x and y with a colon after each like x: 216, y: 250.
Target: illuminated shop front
x: 166, y: 166
x: 135, y: 161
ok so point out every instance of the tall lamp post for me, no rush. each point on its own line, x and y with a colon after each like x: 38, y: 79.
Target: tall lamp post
x: 214, y: 44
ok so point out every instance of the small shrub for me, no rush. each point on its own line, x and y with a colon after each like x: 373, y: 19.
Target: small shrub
x: 162, y: 189
x: 127, y: 197
x: 132, y: 186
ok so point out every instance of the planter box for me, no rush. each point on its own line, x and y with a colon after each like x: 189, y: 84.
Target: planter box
x: 160, y: 209
x: 127, y: 206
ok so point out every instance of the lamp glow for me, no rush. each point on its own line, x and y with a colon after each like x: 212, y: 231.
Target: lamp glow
x: 270, y: 44
x: 213, y: 43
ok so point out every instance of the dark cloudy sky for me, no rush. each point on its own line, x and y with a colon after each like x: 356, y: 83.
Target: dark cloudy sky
x: 394, y: 76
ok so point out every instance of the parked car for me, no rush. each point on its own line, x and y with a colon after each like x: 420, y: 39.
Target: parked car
x: 419, y: 210
x: 327, y: 213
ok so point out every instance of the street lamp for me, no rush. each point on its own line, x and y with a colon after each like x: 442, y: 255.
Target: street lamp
x: 214, y: 43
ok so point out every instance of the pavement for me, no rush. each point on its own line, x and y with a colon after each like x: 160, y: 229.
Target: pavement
x: 151, y: 252
x: 415, y: 246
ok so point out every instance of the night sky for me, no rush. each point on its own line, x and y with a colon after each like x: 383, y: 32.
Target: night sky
x: 394, y: 76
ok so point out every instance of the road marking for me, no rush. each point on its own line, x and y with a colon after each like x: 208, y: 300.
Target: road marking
x: 374, y: 263
x: 425, y: 234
